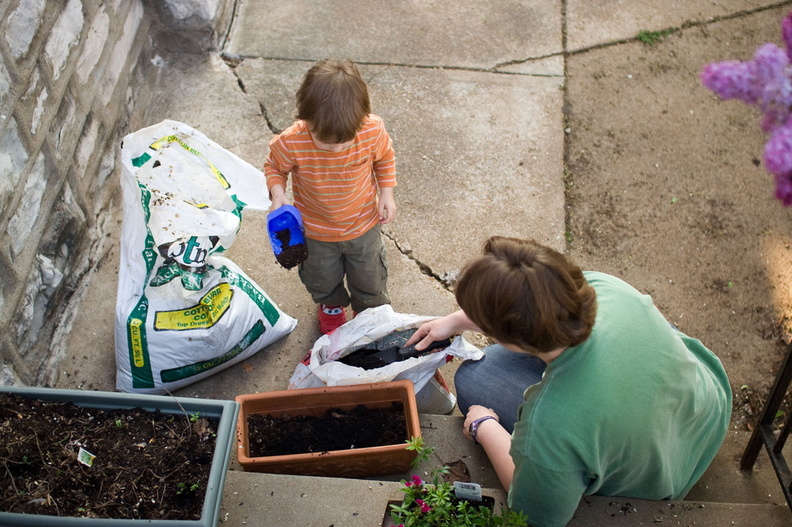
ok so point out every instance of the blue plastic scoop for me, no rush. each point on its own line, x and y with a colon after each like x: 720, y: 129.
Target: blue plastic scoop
x: 287, y: 236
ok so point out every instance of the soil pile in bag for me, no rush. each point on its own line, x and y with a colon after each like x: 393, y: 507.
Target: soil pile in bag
x: 389, y: 349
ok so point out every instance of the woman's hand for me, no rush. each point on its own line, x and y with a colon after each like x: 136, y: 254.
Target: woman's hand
x: 440, y: 329
x: 477, y: 411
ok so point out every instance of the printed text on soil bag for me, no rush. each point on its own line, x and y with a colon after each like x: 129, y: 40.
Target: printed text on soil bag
x: 204, y: 315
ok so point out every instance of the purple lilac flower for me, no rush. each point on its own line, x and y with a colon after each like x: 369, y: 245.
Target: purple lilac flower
x: 786, y: 34
x: 732, y: 79
x: 778, y: 150
x: 778, y: 161
x: 772, y: 78
x: 783, y: 190
x: 764, y: 81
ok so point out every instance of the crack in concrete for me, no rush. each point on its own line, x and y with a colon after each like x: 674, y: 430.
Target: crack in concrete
x: 240, y: 83
x: 274, y: 129
x: 446, y: 281
x: 239, y: 58
x: 232, y: 63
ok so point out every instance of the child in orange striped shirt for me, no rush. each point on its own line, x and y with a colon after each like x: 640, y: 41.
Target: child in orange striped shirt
x: 343, y: 170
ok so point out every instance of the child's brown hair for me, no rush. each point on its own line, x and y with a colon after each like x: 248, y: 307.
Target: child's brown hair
x: 528, y: 295
x: 333, y: 99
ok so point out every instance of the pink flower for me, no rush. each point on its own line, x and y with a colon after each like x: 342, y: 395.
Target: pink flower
x: 415, y: 481
x: 424, y: 506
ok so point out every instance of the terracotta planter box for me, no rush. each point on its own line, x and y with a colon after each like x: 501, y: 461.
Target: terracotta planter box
x: 351, y: 463
x: 225, y: 411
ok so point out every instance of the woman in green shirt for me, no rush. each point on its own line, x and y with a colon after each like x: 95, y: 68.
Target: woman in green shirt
x: 588, y: 391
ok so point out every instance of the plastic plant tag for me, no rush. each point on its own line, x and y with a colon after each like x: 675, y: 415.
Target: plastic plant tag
x: 467, y: 491
x: 85, y: 457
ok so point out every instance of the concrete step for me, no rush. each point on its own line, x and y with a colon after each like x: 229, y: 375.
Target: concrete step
x: 276, y: 500
x: 724, y: 496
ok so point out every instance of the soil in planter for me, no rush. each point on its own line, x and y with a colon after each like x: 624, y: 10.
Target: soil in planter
x: 337, y: 429
x: 147, y: 465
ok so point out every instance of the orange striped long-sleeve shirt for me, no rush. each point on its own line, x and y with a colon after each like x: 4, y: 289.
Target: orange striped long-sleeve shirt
x: 335, y: 192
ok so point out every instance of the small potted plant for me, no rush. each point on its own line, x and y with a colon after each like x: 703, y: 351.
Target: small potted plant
x: 102, y: 440
x: 439, y: 504
x: 283, y: 408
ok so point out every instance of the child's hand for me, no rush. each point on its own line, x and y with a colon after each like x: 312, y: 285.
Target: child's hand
x: 387, y: 206
x: 278, y: 197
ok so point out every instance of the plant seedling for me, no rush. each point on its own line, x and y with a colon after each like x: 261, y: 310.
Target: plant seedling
x: 653, y: 37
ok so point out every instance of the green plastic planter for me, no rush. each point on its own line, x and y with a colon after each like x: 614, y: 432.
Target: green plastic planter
x: 225, y: 411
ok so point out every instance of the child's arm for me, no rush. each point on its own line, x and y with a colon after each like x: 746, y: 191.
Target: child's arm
x: 387, y: 205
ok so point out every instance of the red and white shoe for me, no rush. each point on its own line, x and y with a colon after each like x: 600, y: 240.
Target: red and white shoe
x: 330, y: 318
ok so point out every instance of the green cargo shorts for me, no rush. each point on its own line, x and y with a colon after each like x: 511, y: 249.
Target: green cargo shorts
x: 362, y: 261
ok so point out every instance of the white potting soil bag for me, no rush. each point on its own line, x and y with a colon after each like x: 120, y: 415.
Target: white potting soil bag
x: 322, y: 368
x: 184, y: 311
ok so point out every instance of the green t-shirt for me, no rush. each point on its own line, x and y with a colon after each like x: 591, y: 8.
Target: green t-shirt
x: 637, y: 410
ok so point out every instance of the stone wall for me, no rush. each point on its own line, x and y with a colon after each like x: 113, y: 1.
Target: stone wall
x: 72, y: 73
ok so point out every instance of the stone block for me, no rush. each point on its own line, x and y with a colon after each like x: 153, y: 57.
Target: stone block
x: 193, y: 25
x: 23, y: 24
x: 94, y: 45
x: 13, y: 157
x: 57, y: 263
x: 65, y: 128
x: 20, y: 226
x: 5, y: 83
x: 86, y: 147
x: 119, y: 59
x: 65, y: 34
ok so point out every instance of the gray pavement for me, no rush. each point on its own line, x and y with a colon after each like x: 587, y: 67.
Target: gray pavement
x: 473, y: 96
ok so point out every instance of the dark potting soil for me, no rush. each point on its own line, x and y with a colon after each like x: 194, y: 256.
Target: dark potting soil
x: 147, y: 465
x: 389, y: 349
x: 290, y: 255
x: 337, y: 429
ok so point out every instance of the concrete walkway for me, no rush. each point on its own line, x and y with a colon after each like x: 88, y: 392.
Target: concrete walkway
x: 473, y: 94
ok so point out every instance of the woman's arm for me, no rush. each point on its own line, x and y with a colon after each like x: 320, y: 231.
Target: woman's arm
x: 495, y: 440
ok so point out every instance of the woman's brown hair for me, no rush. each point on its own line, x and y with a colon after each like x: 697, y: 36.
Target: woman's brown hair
x: 333, y: 99
x: 528, y: 295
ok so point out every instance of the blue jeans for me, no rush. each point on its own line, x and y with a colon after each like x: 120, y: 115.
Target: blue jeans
x: 497, y: 381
